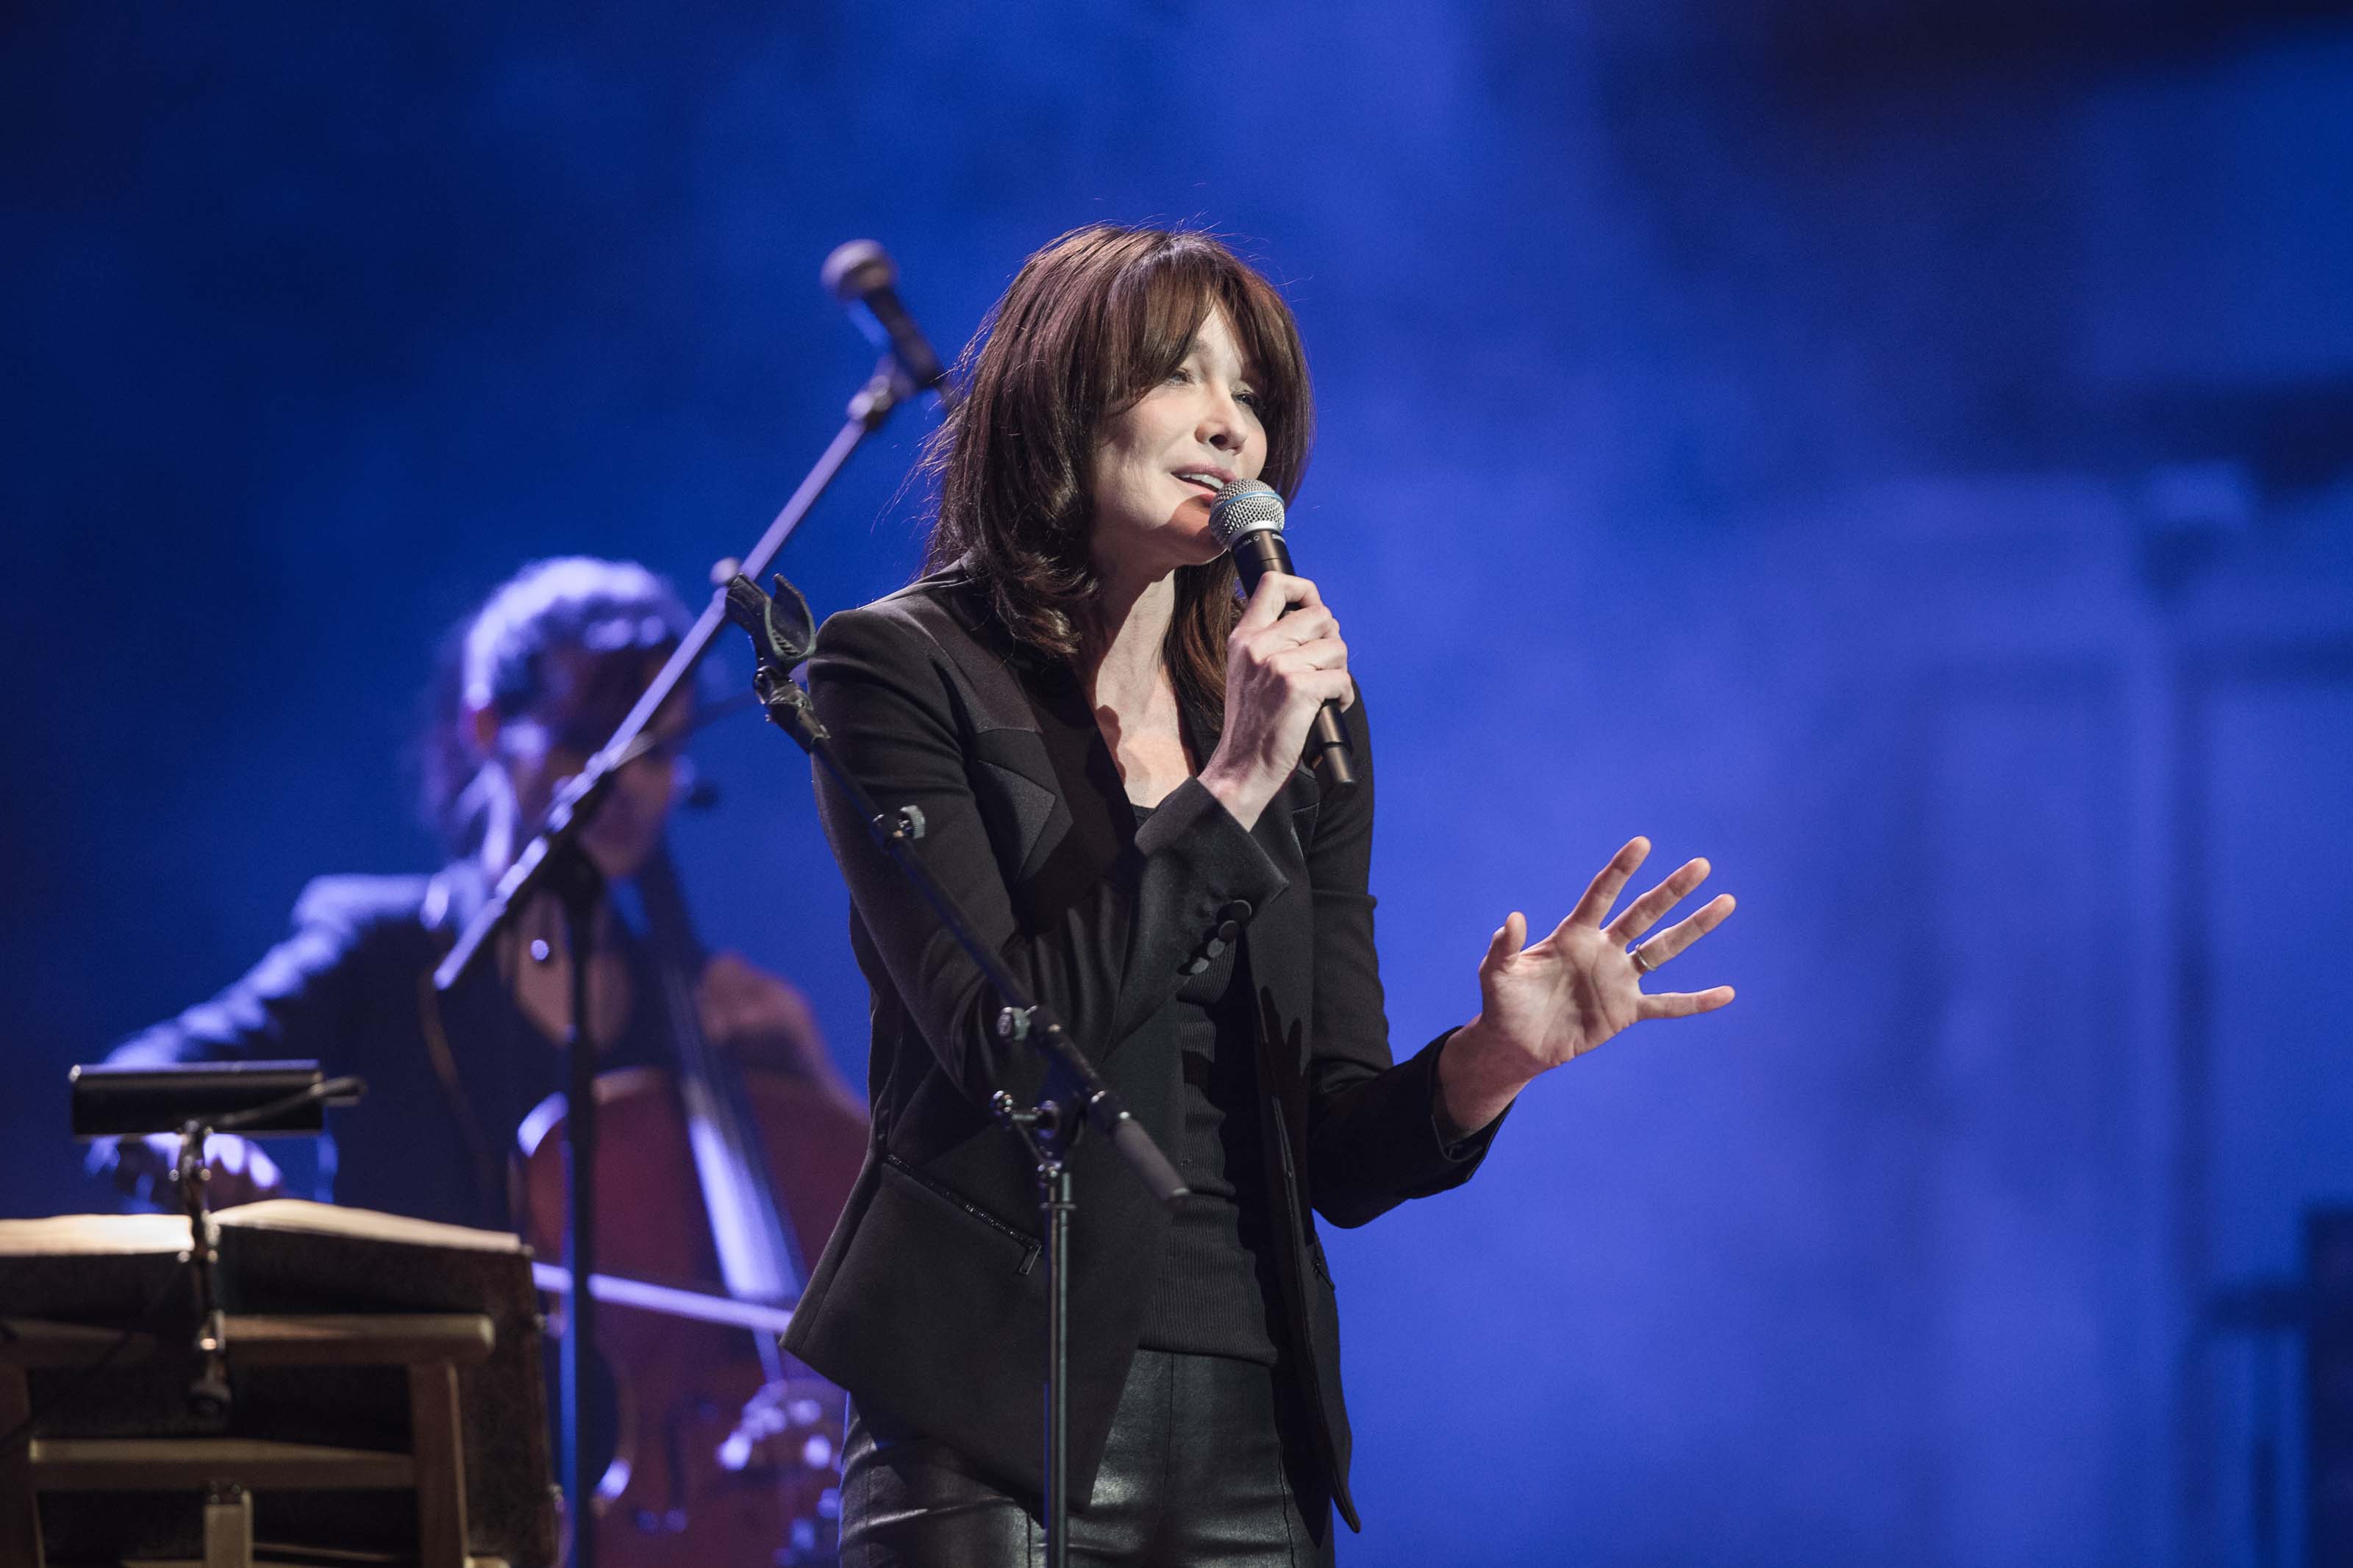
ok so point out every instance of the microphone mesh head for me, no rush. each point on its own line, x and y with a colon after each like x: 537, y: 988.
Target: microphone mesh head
x: 1244, y: 506
x: 856, y: 266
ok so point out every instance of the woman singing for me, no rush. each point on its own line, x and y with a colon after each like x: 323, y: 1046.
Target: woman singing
x: 1105, y: 747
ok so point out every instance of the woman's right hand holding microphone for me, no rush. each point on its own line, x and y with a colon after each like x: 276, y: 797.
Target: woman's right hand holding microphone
x: 1280, y: 669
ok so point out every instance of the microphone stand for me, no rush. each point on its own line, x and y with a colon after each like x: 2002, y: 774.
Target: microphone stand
x: 557, y: 861
x: 1073, y: 1097
x: 209, y: 1394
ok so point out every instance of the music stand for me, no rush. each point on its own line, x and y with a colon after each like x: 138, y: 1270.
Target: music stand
x: 389, y: 1395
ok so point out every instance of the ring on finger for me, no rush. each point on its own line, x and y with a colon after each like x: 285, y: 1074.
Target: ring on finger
x: 1644, y: 962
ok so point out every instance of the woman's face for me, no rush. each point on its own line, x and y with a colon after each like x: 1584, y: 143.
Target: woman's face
x: 1159, y: 463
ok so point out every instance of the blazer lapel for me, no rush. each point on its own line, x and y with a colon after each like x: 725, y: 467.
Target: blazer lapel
x: 1014, y: 748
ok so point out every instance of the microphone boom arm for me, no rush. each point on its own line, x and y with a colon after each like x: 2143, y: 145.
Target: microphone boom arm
x: 556, y: 862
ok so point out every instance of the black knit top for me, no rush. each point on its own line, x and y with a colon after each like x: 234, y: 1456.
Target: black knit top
x: 1217, y: 1286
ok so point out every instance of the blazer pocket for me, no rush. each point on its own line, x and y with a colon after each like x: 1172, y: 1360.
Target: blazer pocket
x: 1021, y: 801
x: 1021, y: 1249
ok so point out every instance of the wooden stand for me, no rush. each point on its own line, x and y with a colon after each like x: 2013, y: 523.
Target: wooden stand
x: 385, y: 1396
x: 225, y: 1473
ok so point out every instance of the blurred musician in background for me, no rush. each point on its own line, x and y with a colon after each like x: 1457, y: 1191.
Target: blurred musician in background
x: 529, y: 687
x: 728, y: 1141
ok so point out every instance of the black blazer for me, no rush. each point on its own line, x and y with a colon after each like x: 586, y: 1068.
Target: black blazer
x: 928, y: 1303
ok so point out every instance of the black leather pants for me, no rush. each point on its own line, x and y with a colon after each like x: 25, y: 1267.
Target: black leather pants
x: 1197, y: 1473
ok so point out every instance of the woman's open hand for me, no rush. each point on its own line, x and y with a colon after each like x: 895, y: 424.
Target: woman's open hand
x: 1546, y: 1003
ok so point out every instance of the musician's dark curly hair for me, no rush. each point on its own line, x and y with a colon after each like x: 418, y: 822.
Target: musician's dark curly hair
x: 567, y: 642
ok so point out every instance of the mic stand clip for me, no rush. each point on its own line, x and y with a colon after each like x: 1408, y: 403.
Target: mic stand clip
x: 887, y: 387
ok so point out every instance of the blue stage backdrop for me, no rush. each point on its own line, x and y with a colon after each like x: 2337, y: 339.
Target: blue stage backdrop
x: 1898, y: 451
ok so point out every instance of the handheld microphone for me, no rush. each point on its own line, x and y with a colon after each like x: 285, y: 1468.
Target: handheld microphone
x: 862, y: 275
x: 1247, y: 518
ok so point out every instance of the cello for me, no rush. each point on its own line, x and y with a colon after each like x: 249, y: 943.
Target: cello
x: 717, y: 1183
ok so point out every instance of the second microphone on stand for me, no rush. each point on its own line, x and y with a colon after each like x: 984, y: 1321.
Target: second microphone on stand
x: 862, y: 275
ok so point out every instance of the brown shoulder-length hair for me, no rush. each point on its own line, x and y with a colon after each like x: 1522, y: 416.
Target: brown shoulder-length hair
x: 1092, y: 323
